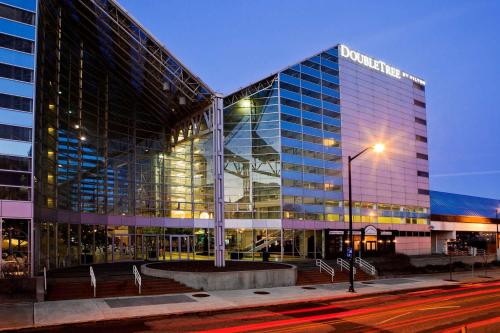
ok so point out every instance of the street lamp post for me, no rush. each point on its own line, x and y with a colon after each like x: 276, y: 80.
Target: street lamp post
x: 496, y: 221
x: 378, y: 148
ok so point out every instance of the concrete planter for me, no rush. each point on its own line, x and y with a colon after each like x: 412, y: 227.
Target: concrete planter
x: 251, y: 279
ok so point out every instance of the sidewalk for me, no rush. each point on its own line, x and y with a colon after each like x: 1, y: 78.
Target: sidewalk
x: 24, y: 315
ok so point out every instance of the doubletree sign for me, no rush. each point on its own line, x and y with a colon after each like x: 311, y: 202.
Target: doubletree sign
x: 377, y: 65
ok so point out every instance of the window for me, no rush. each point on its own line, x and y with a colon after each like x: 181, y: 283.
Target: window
x: 309, y: 78
x: 423, y: 174
x: 311, y: 93
x: 17, y: 14
x: 16, y: 43
x: 329, y: 57
x: 419, y: 103
x: 16, y: 73
x: 420, y: 138
x: 15, y: 133
x: 15, y: 163
x: 420, y: 121
x: 15, y: 178
x: 423, y: 191
x: 422, y: 156
x: 330, y: 99
x: 292, y: 119
x: 330, y: 71
x: 15, y: 102
x: 330, y: 85
x: 311, y: 64
x: 418, y: 86
x: 15, y: 193
x: 291, y: 72
x: 289, y: 87
x: 291, y: 103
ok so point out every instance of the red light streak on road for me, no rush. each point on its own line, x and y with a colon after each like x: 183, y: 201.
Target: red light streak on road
x: 474, y: 324
x: 253, y: 327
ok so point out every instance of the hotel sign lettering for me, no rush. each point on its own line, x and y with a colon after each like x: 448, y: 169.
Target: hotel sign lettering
x: 377, y: 65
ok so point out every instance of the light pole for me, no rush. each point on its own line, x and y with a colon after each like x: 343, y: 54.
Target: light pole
x: 496, y: 221
x: 378, y: 148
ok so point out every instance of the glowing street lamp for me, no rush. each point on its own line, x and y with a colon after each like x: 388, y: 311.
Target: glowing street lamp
x: 377, y: 148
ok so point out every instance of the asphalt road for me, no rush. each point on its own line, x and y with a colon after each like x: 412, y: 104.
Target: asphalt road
x: 448, y: 309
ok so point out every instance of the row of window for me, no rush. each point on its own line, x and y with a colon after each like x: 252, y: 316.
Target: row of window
x: 422, y: 156
x: 418, y: 86
x: 15, y: 178
x: 16, y: 103
x: 311, y: 169
x: 312, y: 185
x: 423, y: 174
x: 420, y: 121
x: 309, y: 78
x: 310, y: 108
x: 419, y: 103
x: 310, y: 123
x: 296, y: 200
x: 420, y: 138
x: 311, y: 154
x: 16, y: 73
x: 15, y: 163
x: 319, y: 67
x: 310, y: 93
x: 310, y: 138
x: 17, y: 14
x: 15, y: 133
x: 15, y: 193
x: 16, y: 43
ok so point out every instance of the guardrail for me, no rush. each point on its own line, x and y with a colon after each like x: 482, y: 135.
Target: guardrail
x: 93, y: 282
x: 137, y: 278
x: 45, y: 279
x: 365, y: 266
x: 343, y: 264
x: 323, y: 266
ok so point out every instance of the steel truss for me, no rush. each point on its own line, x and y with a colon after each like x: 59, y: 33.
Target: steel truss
x: 169, y: 68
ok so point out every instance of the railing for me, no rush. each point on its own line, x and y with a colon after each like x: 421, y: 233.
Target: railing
x: 45, y: 279
x: 343, y: 264
x: 323, y: 266
x: 92, y: 280
x: 137, y: 278
x: 365, y: 266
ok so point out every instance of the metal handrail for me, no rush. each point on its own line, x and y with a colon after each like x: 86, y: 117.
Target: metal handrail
x: 365, y: 266
x: 343, y: 264
x: 93, y: 282
x: 325, y: 267
x: 137, y: 278
x: 45, y: 279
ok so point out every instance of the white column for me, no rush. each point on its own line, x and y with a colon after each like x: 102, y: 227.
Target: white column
x: 218, y: 160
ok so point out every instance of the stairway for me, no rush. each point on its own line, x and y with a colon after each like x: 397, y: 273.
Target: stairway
x: 308, y: 274
x: 113, y: 280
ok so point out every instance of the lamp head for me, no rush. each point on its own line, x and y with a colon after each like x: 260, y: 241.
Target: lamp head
x: 379, y: 148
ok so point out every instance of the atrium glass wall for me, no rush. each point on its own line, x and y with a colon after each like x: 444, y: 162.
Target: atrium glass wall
x: 251, y: 155
x: 311, y: 140
x: 112, y: 162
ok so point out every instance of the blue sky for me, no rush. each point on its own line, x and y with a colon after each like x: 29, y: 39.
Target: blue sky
x: 453, y: 45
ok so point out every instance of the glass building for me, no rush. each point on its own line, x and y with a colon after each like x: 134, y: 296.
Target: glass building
x: 111, y: 149
x: 17, y: 100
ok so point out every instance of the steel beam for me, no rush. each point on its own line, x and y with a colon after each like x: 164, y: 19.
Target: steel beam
x: 218, y: 160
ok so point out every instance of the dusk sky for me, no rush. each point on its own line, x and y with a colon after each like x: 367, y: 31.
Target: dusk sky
x: 453, y: 45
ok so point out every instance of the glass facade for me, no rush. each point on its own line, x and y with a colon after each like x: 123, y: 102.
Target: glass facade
x: 311, y: 139
x: 252, y: 155
x: 17, y: 67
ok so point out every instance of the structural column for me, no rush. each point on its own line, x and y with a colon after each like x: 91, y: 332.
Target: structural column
x: 218, y: 160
